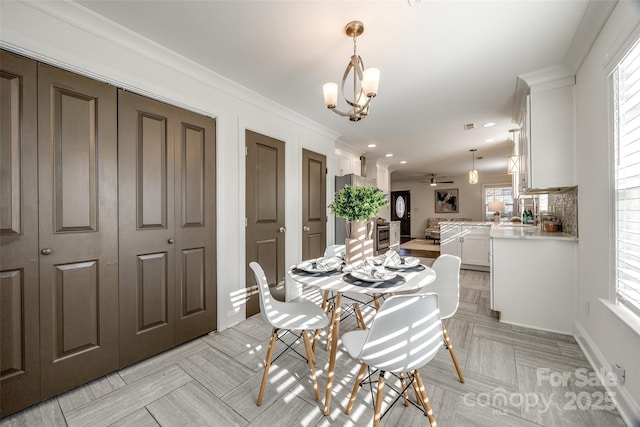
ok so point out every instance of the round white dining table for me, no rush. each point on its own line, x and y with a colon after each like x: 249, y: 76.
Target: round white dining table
x: 409, y: 279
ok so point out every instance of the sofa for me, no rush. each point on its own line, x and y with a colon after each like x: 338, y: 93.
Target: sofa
x: 433, y: 227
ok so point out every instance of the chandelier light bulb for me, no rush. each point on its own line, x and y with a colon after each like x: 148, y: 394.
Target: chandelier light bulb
x: 370, y: 82
x: 330, y: 91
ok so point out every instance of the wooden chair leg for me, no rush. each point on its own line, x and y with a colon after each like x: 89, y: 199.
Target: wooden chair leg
x: 312, y: 371
x: 267, y: 364
x: 425, y: 399
x: 453, y: 353
x: 376, y: 302
x: 379, y: 398
x: 359, y: 317
x: 326, y: 305
x: 405, y: 393
x: 356, y: 387
x: 330, y: 332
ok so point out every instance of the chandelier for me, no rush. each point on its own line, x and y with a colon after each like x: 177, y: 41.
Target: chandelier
x: 473, y: 173
x: 365, y: 82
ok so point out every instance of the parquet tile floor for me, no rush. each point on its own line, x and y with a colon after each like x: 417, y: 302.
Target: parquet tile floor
x: 512, y: 379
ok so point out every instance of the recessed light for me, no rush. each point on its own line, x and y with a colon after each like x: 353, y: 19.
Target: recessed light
x: 488, y: 125
x: 403, y: 162
x: 489, y: 140
x: 371, y: 145
x: 388, y: 155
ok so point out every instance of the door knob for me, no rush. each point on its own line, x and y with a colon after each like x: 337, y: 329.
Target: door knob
x: 306, y: 228
x: 46, y: 251
x: 170, y: 241
x: 282, y: 229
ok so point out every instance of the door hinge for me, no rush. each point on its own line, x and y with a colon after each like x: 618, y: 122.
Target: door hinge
x: 245, y: 222
x: 246, y: 151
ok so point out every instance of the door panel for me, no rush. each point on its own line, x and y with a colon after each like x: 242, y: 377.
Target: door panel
x: 76, y: 308
x: 77, y: 158
x: 195, y: 230
x: 19, y: 332
x: 151, y: 170
x: 265, y: 233
x: 314, y: 204
x: 146, y: 234
x: 74, y: 143
x: 152, y: 291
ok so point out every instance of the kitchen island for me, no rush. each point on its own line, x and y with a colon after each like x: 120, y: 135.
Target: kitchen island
x: 533, y: 277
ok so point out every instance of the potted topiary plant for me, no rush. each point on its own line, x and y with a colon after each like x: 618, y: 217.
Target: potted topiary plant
x: 358, y: 205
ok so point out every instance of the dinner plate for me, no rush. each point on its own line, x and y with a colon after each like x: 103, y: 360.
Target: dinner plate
x: 365, y: 276
x: 312, y: 267
x: 407, y: 262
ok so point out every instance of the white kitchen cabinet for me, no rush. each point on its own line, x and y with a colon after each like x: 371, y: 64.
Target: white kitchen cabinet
x: 547, y: 136
x: 470, y: 242
x: 533, y: 282
x: 394, y: 235
x: 347, y: 164
x: 450, y: 233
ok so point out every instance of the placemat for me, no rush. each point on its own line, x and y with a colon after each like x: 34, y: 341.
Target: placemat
x: 301, y: 272
x: 396, y: 281
x: 415, y: 268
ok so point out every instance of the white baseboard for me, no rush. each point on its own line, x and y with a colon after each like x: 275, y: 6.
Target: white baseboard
x: 627, y: 407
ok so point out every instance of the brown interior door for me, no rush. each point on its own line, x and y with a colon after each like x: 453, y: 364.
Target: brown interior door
x: 265, y: 232
x: 401, y: 211
x: 146, y: 189
x: 19, y: 331
x: 78, y: 178
x: 314, y: 204
x: 195, y: 231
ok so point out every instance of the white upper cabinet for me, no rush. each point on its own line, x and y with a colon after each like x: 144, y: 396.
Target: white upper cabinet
x: 346, y: 164
x: 547, y: 141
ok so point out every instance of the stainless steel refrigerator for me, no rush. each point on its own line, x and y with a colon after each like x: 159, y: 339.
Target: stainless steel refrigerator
x: 341, y: 181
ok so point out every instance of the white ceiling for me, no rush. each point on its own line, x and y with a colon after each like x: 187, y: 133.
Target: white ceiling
x: 442, y: 64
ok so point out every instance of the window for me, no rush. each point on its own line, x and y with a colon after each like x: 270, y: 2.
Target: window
x: 498, y: 193
x: 626, y: 167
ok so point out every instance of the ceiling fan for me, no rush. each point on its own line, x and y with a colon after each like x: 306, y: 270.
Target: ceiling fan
x: 433, y: 181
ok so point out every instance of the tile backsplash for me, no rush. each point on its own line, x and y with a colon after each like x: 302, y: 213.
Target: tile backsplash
x: 565, y: 206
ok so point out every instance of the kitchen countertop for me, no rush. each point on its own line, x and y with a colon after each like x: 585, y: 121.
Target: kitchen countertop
x: 526, y: 232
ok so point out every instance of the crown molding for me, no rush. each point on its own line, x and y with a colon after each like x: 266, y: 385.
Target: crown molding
x: 86, y: 20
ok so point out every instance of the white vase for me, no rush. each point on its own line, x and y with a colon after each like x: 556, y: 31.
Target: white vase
x: 359, y: 230
x: 358, y: 244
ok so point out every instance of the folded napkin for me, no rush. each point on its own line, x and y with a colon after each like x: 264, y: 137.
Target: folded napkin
x: 328, y: 263
x: 392, y: 258
x: 364, y: 268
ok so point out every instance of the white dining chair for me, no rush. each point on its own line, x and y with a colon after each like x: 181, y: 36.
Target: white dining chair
x: 404, y: 336
x: 447, y: 286
x: 284, y: 318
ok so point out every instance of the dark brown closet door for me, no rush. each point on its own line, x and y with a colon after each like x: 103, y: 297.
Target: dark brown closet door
x: 77, y: 154
x: 195, y: 231
x: 314, y: 204
x: 146, y: 213
x: 19, y: 330
x: 265, y: 232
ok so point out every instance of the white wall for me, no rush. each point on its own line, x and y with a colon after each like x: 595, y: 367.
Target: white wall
x: 65, y: 35
x: 605, y: 337
x: 469, y: 199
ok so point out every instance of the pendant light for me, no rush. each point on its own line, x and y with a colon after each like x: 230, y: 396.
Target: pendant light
x: 473, y: 173
x: 513, y: 162
x: 365, y: 82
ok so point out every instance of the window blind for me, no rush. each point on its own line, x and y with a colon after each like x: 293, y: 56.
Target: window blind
x: 626, y: 89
